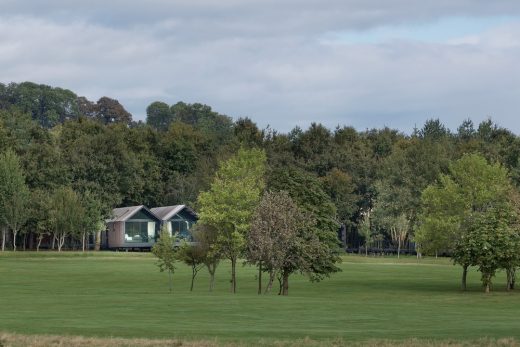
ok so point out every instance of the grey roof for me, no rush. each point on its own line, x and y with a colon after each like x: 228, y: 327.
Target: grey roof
x: 167, y: 212
x: 122, y: 214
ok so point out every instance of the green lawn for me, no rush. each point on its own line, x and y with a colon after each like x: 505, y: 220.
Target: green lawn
x: 123, y: 294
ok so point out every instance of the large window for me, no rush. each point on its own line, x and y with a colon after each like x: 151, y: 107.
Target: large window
x: 181, y: 229
x: 139, y: 232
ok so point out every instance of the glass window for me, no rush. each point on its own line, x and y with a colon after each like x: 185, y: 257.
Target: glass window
x: 139, y: 232
x: 181, y: 229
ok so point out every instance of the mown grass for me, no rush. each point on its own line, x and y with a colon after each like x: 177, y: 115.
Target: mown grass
x: 124, y: 295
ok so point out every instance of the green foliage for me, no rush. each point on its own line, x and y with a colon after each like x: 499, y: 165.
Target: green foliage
x: 232, y: 199
x: 472, y: 186
x: 235, y: 192
x: 489, y: 242
x: 48, y: 106
x: 247, y: 133
x: 340, y: 187
x: 194, y: 256
x: 281, y: 239
x: 39, y: 221
x: 307, y: 192
x: 166, y: 254
x: 216, y: 127
x: 66, y: 140
x: 14, y: 194
x: 470, y: 214
x: 66, y: 214
x: 158, y: 115
x: 94, y: 213
x: 206, y: 241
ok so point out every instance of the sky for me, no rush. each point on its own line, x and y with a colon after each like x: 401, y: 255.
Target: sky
x: 282, y: 63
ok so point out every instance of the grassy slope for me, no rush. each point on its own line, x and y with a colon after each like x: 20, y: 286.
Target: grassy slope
x: 124, y: 295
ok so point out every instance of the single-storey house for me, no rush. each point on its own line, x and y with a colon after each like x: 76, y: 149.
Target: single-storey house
x: 178, y: 219
x: 132, y: 227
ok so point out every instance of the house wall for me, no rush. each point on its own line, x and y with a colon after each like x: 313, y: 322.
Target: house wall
x: 116, y: 236
x: 116, y: 232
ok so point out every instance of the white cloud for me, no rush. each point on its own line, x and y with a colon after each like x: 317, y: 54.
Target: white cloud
x: 268, y: 59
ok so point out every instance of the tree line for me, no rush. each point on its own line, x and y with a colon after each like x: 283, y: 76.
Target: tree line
x: 372, y: 184
x: 273, y: 230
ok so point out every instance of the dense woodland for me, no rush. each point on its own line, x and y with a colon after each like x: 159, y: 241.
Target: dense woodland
x: 366, y: 184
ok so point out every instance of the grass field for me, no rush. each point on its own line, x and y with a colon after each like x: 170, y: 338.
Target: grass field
x: 124, y: 295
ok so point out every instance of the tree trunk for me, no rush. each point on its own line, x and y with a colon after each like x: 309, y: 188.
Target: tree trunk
x: 3, y: 239
x: 14, y: 240
x: 464, y: 276
x: 193, y: 274
x: 211, y: 269
x: 398, y: 248
x: 511, y: 274
x: 366, y: 250
x: 31, y: 240
x: 260, y: 278
x: 285, y: 283
x: 211, y: 282
x: 40, y: 238
x: 272, y: 275
x: 170, y: 280
x: 83, y: 242
x: 97, y: 247
x: 487, y: 282
x: 280, y: 283
x: 233, y: 275
x: 24, y: 241
x: 61, y: 242
x: 53, y: 244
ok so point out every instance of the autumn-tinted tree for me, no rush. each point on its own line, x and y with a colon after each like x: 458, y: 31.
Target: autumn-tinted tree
x: 247, y: 133
x: 111, y: 111
x: 282, y: 240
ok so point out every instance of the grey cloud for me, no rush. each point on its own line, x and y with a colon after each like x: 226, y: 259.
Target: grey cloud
x: 257, y: 17
x: 265, y: 59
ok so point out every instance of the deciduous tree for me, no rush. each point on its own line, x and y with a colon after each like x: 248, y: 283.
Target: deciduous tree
x: 206, y: 240
x: 66, y: 214
x: 281, y: 240
x: 470, y: 190
x: 166, y: 255
x: 231, y: 202
x: 14, y: 195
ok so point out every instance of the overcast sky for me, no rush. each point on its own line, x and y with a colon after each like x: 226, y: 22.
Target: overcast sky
x: 366, y: 63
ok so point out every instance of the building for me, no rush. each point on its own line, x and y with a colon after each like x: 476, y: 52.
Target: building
x: 178, y: 220
x: 131, y: 227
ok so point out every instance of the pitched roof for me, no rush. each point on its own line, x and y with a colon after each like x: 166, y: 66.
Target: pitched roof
x: 122, y: 214
x: 167, y: 212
